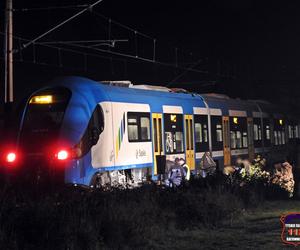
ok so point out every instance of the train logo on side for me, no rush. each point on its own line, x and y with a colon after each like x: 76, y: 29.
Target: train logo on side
x: 120, y: 135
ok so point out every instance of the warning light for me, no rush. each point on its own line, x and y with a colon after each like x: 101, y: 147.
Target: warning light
x: 62, y: 155
x: 11, y: 157
x: 235, y: 120
x: 41, y: 99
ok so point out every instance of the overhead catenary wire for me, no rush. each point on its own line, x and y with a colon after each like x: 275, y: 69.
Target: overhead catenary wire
x: 63, y: 49
x: 135, y: 31
x: 61, y: 24
x: 184, y: 72
x: 110, y: 21
x: 108, y: 52
x: 139, y: 58
x: 110, y: 44
x: 52, y: 8
x: 84, y: 41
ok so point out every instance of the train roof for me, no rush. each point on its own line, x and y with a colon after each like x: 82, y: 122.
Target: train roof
x: 156, y: 97
x: 96, y: 92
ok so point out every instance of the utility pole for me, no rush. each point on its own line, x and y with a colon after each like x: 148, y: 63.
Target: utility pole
x: 8, y: 50
x: 8, y: 65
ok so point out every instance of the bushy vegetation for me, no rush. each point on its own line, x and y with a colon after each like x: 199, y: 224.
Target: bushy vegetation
x: 74, y: 218
x: 77, y: 218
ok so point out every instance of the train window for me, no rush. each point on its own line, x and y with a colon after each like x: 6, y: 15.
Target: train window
x: 290, y: 128
x: 192, y: 136
x: 245, y: 140
x: 173, y: 124
x: 238, y: 139
x: 219, y: 133
x: 179, y: 141
x: 145, y: 128
x: 296, y: 132
x: 205, y: 133
x: 279, y: 132
x: 282, y: 137
x: 238, y: 132
x: 255, y: 127
x: 198, y: 132
x: 232, y: 140
x: 216, y: 133
x: 275, y: 138
x: 138, y: 127
x: 279, y: 137
x: 268, y: 132
x: 201, y: 133
x: 133, y: 133
x: 92, y: 132
x: 43, y: 118
x: 257, y: 132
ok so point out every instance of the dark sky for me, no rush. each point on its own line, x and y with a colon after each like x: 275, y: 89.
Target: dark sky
x: 249, y: 49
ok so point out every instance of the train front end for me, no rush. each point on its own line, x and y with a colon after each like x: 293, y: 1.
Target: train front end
x: 40, y: 153
x: 60, y: 124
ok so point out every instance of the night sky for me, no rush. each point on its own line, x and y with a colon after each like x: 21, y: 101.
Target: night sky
x: 246, y: 49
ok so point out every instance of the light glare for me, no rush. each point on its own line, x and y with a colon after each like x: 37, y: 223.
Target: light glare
x: 11, y: 157
x: 62, y: 155
x: 41, y: 99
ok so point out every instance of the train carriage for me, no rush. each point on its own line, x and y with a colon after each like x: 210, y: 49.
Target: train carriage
x: 94, y: 133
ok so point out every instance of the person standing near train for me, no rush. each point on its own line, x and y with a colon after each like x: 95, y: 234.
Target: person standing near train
x: 176, y: 174
x: 186, y: 168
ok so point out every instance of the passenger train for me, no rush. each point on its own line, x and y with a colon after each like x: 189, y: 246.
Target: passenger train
x: 92, y: 133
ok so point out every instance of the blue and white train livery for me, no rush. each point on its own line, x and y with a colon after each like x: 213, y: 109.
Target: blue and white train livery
x: 95, y: 133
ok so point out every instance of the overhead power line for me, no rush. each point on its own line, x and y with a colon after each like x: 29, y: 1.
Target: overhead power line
x: 139, y: 58
x: 53, y: 7
x: 60, y: 49
x: 84, y: 41
x: 184, y: 72
x: 61, y: 24
x: 94, y: 43
x: 110, y: 42
x: 93, y: 48
x: 135, y: 31
x: 122, y: 25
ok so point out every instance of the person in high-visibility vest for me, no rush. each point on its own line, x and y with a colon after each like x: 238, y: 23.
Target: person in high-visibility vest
x: 186, y: 169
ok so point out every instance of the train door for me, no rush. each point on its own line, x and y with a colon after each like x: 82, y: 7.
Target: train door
x: 157, y: 137
x: 250, y: 138
x: 189, y: 141
x: 226, y: 142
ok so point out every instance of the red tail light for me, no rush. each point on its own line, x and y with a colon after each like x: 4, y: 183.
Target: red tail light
x: 11, y: 157
x: 62, y: 155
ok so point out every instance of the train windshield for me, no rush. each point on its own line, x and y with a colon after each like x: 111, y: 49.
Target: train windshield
x: 43, y: 118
